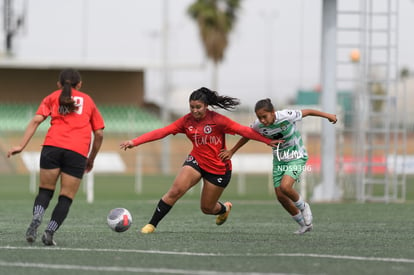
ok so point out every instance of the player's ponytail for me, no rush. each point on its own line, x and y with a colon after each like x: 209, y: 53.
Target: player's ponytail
x: 211, y: 98
x: 265, y: 104
x: 69, y: 79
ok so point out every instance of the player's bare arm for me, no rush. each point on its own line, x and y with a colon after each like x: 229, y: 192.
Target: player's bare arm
x: 228, y: 154
x: 311, y: 112
x: 30, y: 130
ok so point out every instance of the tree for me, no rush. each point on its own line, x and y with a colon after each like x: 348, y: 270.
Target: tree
x: 215, y: 20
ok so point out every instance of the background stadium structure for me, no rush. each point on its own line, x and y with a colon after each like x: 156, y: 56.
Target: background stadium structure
x: 370, y: 145
x: 377, y: 130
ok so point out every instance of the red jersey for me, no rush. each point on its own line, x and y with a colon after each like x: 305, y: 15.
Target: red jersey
x: 74, y: 130
x: 207, y: 136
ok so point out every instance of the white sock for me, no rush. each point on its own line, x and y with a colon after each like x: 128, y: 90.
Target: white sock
x: 299, y: 219
x: 300, y: 204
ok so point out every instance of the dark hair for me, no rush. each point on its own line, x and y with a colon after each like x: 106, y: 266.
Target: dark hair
x: 68, y: 78
x: 211, y: 98
x: 265, y: 104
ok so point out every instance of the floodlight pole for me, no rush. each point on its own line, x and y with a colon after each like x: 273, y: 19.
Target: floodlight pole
x: 327, y: 190
x: 8, y: 30
x: 269, y: 18
x: 11, y: 24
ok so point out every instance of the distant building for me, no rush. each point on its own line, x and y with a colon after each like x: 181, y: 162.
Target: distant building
x: 28, y: 82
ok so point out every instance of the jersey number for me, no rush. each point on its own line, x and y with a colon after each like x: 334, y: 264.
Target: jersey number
x: 79, y: 104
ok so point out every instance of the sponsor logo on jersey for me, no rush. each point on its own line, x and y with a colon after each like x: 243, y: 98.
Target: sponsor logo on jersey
x: 288, y: 154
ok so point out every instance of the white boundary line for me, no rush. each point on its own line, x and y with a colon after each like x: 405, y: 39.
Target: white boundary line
x: 200, y: 254
x: 129, y: 269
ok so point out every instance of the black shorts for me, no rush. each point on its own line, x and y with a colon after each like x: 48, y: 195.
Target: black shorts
x: 219, y: 180
x: 68, y: 161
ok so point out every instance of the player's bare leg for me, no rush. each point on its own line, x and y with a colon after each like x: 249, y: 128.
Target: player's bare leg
x: 294, y: 204
x: 186, y: 178
x: 210, y: 204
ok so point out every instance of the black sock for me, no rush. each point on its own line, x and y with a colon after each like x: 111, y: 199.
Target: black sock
x: 42, y: 201
x: 59, y: 213
x: 222, y: 210
x: 161, y: 210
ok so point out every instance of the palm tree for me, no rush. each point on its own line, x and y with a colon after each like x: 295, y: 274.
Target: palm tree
x: 215, y: 20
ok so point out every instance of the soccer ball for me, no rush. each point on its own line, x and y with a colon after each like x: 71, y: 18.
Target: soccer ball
x: 119, y: 219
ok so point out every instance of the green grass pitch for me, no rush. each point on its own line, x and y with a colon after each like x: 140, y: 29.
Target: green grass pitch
x: 348, y: 238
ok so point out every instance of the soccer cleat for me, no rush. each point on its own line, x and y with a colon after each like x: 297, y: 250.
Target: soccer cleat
x: 220, y: 219
x: 47, y: 238
x: 307, y: 214
x: 31, y: 232
x: 148, y: 229
x: 303, y: 229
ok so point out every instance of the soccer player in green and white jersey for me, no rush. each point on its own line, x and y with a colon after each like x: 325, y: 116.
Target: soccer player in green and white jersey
x: 289, y: 158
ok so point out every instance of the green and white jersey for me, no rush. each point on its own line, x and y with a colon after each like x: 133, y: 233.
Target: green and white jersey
x: 284, y: 128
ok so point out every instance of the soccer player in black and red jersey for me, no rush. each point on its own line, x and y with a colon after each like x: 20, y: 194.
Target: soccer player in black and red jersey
x: 67, y: 152
x: 206, y: 129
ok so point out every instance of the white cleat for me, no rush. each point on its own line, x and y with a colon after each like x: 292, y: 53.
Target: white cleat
x: 307, y: 214
x: 303, y: 229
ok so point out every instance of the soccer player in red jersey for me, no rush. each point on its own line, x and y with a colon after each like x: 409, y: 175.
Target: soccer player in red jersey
x: 66, y: 151
x: 206, y: 129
